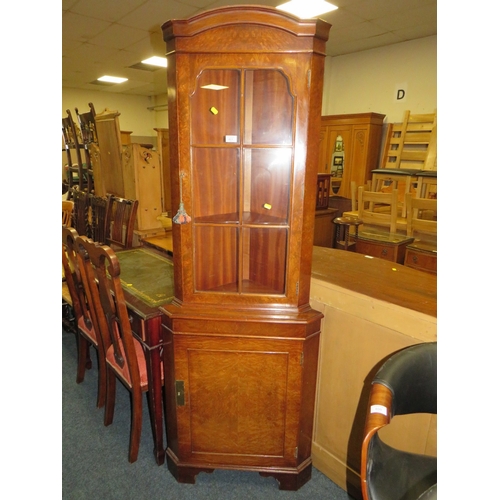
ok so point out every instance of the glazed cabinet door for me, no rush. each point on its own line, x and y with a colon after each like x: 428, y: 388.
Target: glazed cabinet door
x: 340, y: 157
x: 241, y: 151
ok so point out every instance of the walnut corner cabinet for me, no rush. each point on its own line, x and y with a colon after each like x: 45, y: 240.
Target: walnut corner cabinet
x: 240, y: 338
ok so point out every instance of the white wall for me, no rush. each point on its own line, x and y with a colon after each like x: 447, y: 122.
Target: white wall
x: 368, y: 81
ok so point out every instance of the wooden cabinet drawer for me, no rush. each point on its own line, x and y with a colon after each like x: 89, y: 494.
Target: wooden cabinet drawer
x: 137, y: 324
x: 418, y: 259
x: 382, y: 250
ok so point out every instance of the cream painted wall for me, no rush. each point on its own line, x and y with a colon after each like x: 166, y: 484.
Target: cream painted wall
x: 134, y: 113
x: 363, y: 82
x: 355, y: 83
x: 368, y: 81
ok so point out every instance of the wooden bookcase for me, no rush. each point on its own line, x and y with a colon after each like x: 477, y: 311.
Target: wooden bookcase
x: 241, y: 340
x: 356, y: 154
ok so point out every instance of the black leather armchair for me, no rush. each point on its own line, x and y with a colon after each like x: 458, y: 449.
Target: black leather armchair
x: 405, y: 384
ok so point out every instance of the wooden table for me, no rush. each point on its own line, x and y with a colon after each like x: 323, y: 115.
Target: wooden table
x: 148, y: 283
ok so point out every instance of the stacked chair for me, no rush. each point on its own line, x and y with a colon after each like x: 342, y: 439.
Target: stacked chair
x: 421, y: 253
x: 377, y: 225
x: 76, y: 145
x: 409, y: 154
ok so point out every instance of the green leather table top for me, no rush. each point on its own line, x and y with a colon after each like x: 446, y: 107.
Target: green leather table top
x: 147, y: 275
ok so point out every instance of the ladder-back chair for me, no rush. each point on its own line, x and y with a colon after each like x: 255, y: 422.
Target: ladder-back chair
x: 422, y: 216
x: 371, y: 209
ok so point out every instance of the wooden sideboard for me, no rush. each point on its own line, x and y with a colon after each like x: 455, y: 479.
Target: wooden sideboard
x: 371, y: 308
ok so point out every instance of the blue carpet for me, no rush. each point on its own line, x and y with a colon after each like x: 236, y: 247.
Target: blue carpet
x: 95, y: 464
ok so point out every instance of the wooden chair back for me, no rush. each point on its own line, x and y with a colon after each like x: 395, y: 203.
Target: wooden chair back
x: 354, y: 193
x: 90, y: 331
x: 72, y: 144
x: 88, y: 130
x: 72, y: 273
x: 378, y: 209
x: 87, y: 125
x: 111, y: 309
x: 98, y: 206
x: 120, y: 221
x: 67, y: 213
x: 81, y: 221
x: 421, y: 216
x: 412, y: 143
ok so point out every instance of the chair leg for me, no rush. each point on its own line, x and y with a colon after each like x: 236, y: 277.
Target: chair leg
x: 84, y: 361
x: 109, y: 408
x: 101, y: 379
x: 136, y: 425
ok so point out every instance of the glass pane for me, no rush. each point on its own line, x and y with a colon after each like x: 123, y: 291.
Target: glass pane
x: 268, y: 108
x: 264, y: 260
x: 215, y: 106
x: 215, y: 184
x: 266, y: 174
x: 216, y: 258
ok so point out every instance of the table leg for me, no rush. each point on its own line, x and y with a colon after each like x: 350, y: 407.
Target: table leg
x: 153, y: 363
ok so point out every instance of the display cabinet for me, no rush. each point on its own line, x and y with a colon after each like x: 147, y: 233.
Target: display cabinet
x: 241, y: 340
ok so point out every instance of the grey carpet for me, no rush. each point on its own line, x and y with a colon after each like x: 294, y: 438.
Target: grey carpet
x: 94, y: 457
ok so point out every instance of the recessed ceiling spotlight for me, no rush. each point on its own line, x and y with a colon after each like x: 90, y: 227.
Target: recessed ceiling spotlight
x: 156, y: 61
x: 112, y: 79
x: 307, y: 9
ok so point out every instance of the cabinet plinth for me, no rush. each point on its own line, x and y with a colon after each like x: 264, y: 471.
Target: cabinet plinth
x: 241, y: 341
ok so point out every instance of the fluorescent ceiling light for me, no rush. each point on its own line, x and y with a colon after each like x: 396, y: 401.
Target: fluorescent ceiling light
x: 112, y: 79
x: 214, y: 86
x: 307, y: 9
x: 156, y: 61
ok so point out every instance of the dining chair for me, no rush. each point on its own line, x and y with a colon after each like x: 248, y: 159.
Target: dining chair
x: 422, y: 217
x: 98, y: 206
x: 125, y: 357
x: 81, y: 220
x: 121, y: 215
x: 378, y: 209
x: 87, y: 329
